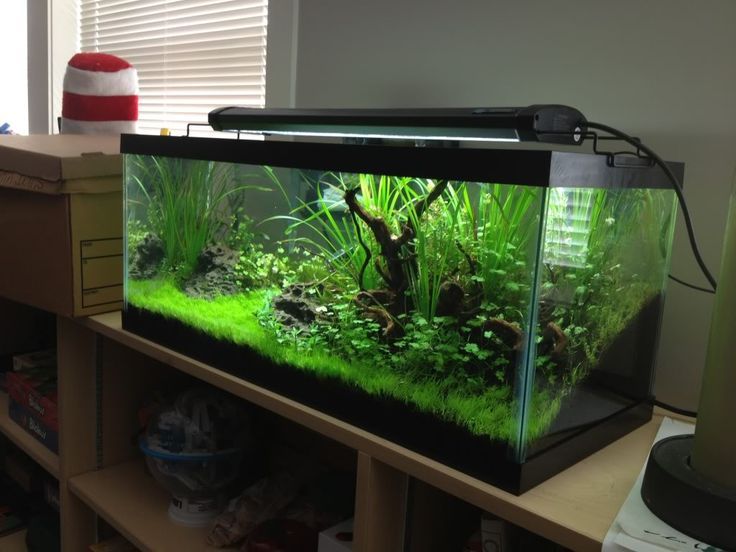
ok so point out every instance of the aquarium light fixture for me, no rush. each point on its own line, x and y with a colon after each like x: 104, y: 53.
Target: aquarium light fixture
x: 557, y: 124
x: 410, y: 134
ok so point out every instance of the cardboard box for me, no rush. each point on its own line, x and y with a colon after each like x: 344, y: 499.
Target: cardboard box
x: 61, y: 222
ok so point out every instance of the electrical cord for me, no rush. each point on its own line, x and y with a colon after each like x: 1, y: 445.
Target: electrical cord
x: 675, y: 185
x: 693, y: 286
x: 675, y: 409
x: 690, y: 233
x: 653, y: 401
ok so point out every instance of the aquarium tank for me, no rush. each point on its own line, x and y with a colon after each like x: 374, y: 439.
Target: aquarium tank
x: 495, y: 309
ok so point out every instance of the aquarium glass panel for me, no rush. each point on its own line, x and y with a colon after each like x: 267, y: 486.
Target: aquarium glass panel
x: 604, y: 262
x: 416, y: 289
x: 496, y: 310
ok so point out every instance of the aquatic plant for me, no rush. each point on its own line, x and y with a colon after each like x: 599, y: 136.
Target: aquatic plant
x: 183, y: 200
x: 592, y: 282
x: 429, y: 268
x: 418, y: 289
x: 328, y: 228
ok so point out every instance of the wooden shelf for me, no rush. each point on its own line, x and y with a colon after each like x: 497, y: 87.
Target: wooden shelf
x: 47, y: 459
x: 136, y: 506
x: 574, y: 508
x: 15, y: 542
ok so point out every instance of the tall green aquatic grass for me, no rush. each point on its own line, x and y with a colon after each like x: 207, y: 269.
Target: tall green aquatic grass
x: 491, y: 233
x: 326, y: 226
x: 476, y: 234
x: 184, y: 201
x: 435, y: 251
x: 505, y: 225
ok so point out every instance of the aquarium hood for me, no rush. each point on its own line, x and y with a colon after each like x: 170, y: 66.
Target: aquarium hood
x: 556, y: 124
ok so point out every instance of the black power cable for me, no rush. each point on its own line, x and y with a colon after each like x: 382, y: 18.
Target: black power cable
x: 692, y: 286
x: 675, y: 409
x: 688, y: 224
x: 675, y: 185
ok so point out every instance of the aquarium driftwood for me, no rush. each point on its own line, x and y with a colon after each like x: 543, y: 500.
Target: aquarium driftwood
x: 390, y: 245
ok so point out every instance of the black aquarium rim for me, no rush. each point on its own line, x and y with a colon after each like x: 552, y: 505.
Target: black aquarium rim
x: 523, y: 167
x: 518, y: 167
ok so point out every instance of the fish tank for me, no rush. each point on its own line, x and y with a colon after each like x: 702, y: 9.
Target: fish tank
x: 497, y: 310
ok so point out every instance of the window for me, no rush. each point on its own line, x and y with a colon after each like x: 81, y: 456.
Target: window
x: 572, y: 212
x: 14, y: 88
x: 191, y: 55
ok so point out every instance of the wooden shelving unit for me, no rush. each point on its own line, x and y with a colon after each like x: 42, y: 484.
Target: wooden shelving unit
x: 105, y: 373
x: 574, y: 508
x: 129, y: 500
x: 45, y: 458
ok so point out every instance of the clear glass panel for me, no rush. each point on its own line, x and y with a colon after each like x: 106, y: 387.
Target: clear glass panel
x: 414, y: 289
x: 604, y: 265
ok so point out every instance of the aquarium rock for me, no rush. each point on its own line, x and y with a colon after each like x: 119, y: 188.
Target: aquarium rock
x: 147, y: 257
x: 450, y: 300
x: 214, y: 274
x: 294, y: 307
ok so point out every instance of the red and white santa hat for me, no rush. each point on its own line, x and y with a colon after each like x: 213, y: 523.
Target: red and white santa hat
x: 100, y: 95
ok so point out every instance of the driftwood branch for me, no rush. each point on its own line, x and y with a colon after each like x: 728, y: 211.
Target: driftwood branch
x: 390, y: 246
x: 394, y: 275
x: 468, y: 258
x: 366, y: 249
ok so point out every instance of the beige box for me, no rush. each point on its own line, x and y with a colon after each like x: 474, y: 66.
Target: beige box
x: 61, y: 223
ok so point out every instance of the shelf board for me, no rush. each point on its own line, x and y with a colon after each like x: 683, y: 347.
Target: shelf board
x: 136, y: 506
x: 575, y: 508
x: 47, y: 459
x: 15, y: 542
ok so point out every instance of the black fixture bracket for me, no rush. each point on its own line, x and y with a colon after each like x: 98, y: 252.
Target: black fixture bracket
x: 628, y: 159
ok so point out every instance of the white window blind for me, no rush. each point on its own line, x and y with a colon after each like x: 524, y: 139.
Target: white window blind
x: 570, y: 216
x: 191, y: 55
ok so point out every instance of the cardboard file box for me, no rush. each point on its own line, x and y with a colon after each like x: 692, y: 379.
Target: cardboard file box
x: 61, y: 227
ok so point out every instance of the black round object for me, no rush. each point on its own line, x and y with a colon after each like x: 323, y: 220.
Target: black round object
x: 683, y: 498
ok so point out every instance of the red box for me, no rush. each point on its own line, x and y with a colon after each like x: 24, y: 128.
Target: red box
x: 36, y: 394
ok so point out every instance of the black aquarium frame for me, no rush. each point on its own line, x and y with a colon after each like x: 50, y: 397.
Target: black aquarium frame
x: 445, y: 442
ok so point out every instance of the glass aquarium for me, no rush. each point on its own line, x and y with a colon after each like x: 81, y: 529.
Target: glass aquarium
x: 497, y: 310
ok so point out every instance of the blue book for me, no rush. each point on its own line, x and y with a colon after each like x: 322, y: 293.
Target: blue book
x: 33, y: 425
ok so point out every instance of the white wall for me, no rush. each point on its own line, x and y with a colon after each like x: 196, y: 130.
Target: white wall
x: 281, y: 52
x: 664, y: 70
